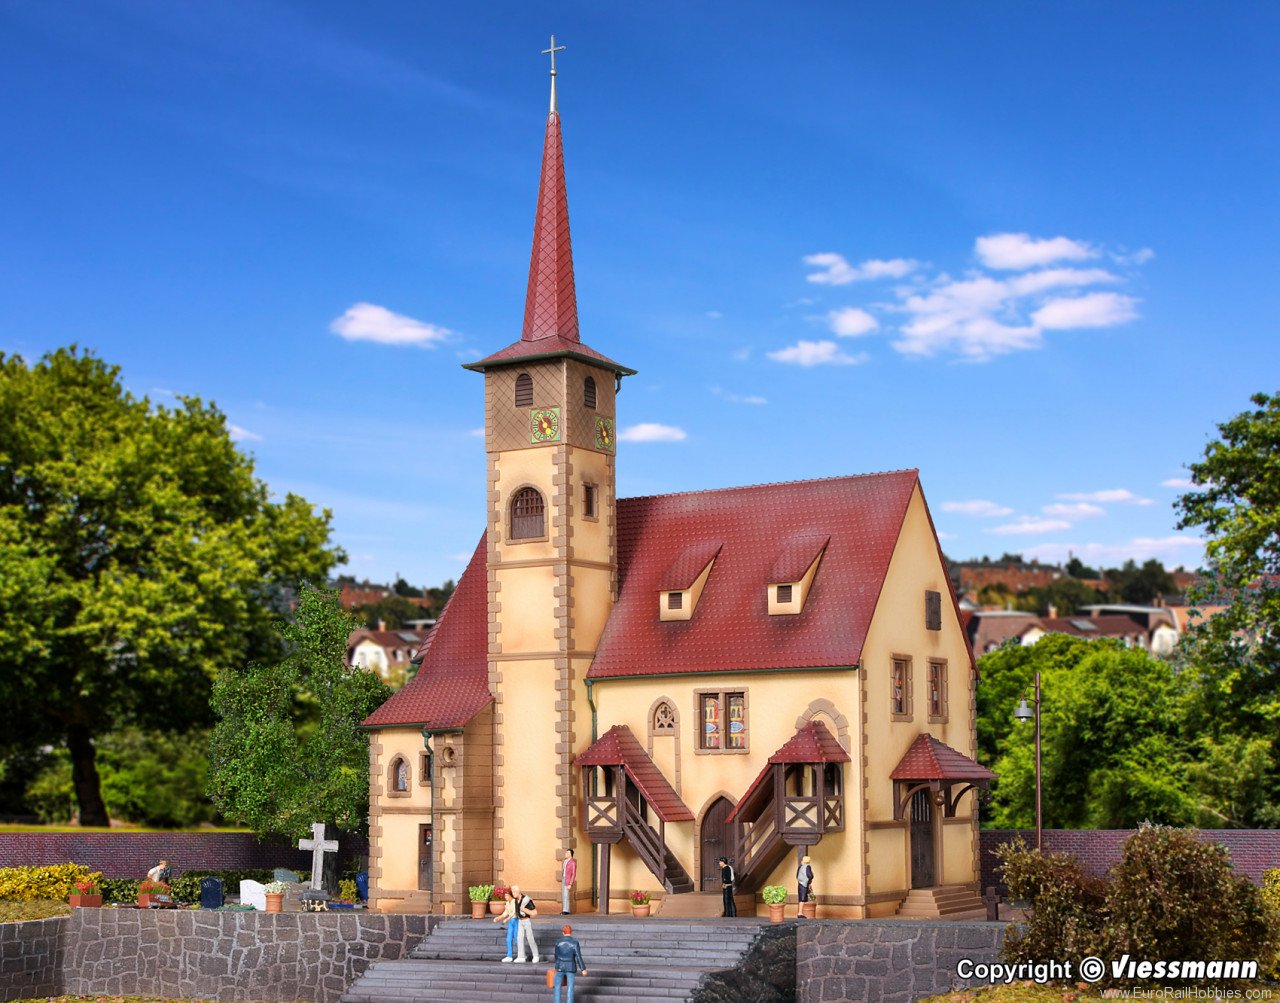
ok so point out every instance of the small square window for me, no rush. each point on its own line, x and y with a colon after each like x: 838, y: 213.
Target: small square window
x: 675, y: 600
x: 722, y: 721
x: 784, y: 593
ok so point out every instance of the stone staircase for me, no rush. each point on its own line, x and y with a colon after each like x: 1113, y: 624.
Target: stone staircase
x: 629, y: 959
x: 944, y: 902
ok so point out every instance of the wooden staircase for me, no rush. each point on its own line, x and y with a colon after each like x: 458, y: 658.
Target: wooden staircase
x: 943, y: 902
x: 651, y: 848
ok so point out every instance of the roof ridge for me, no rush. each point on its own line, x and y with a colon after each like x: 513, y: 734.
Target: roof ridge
x: 777, y: 484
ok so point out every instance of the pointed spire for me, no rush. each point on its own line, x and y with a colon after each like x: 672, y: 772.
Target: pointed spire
x: 551, y: 306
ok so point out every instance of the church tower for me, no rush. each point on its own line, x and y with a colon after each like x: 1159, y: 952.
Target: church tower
x: 550, y: 440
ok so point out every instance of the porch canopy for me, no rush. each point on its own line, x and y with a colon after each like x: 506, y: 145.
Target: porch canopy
x: 619, y: 747
x: 934, y: 766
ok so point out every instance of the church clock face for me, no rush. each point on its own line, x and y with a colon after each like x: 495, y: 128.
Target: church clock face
x: 604, y: 434
x: 544, y: 424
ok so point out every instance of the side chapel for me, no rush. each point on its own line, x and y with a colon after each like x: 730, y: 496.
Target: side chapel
x: 760, y: 672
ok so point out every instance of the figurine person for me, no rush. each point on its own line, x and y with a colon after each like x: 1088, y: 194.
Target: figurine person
x: 161, y: 872
x: 568, y: 962
x: 568, y: 875
x: 525, y: 911
x: 508, y: 916
x: 729, y: 880
x: 804, y: 878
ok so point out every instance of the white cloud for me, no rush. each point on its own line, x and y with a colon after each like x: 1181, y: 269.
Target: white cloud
x: 978, y: 507
x: 851, y: 322
x: 1107, y: 496
x: 476, y: 433
x: 651, y: 431
x: 1182, y: 483
x: 368, y: 322
x: 239, y: 434
x: 1027, y: 525
x: 942, y: 535
x: 1093, y: 310
x: 816, y: 353
x: 714, y: 314
x: 1017, y: 251
x: 1078, y: 510
x: 836, y: 271
x: 1169, y: 550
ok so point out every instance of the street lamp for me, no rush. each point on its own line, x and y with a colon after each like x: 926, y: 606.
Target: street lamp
x: 1025, y: 713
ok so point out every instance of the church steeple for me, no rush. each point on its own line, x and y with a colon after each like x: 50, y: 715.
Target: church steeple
x: 551, y: 306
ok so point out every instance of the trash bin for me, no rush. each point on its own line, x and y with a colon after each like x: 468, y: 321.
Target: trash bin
x: 211, y: 896
x: 362, y: 885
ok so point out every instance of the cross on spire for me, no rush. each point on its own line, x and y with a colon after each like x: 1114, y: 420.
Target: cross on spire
x: 552, y: 53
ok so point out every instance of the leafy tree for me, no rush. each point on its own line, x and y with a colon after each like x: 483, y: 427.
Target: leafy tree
x: 1139, y: 585
x: 403, y: 588
x: 1112, y: 753
x: 287, y: 749
x: 138, y: 556
x: 1234, y: 656
x: 1076, y: 568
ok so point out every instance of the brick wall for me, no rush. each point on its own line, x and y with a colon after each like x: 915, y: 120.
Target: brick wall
x: 891, y: 961
x: 132, y: 854
x: 31, y: 957
x: 1252, y: 850
x: 187, y: 954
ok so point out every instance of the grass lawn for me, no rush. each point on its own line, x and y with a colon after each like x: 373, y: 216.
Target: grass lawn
x: 16, y: 912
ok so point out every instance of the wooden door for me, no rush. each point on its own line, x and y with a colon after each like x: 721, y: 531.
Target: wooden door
x: 716, y: 842
x: 425, y: 870
x: 922, y: 840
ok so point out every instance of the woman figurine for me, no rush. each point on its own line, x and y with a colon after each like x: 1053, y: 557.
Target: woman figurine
x: 508, y: 916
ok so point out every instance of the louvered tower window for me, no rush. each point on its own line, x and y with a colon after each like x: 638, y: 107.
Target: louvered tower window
x: 524, y: 390
x: 528, y: 515
x: 589, y: 392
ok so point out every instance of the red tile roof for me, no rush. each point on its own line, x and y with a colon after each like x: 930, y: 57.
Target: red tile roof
x: 795, y: 556
x: 689, y: 565
x: 929, y: 759
x: 523, y: 351
x: 811, y: 744
x: 453, y: 682
x: 619, y: 747
x: 731, y: 629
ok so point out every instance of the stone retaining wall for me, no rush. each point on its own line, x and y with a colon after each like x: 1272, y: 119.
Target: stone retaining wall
x: 887, y: 961
x: 31, y: 958
x: 203, y: 955
x: 132, y: 854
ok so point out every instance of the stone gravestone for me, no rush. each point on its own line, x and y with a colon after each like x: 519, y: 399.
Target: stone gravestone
x: 254, y: 893
x: 211, y: 896
x: 285, y: 875
x: 316, y: 898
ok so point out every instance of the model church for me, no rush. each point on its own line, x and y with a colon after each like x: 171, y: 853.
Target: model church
x: 761, y: 673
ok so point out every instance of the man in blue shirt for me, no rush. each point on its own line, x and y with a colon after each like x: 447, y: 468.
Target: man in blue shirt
x: 568, y: 963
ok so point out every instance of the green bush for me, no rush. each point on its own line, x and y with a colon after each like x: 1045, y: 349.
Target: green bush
x: 1171, y: 895
x: 56, y: 881
x: 119, y: 889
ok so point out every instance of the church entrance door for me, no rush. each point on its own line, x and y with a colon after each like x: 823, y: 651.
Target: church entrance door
x: 716, y: 842
x: 922, y: 872
x: 424, y: 858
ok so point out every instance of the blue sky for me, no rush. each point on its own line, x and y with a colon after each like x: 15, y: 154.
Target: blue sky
x: 1030, y: 249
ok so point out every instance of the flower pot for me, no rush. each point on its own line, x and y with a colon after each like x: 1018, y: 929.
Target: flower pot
x: 809, y: 910
x: 144, y: 901
x: 275, y: 901
x: 495, y: 908
x: 776, y: 912
x: 85, y: 901
x: 640, y: 910
x: 479, y: 909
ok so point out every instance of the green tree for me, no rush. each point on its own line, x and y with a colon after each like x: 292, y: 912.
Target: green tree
x: 1139, y: 585
x: 288, y: 749
x: 1234, y: 657
x: 138, y: 556
x: 1112, y: 752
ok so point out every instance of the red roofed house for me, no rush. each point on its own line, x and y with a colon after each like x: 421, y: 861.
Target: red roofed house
x: 760, y: 672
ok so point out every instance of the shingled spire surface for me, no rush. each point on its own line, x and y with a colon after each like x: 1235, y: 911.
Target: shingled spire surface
x: 551, y: 306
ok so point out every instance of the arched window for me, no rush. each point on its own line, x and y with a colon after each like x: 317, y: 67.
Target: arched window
x: 589, y: 392
x: 528, y: 515
x: 524, y: 390
x: 399, y: 776
x: 664, y: 719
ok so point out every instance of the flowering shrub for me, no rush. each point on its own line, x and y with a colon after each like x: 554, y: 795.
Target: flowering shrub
x: 640, y: 898
x: 500, y: 892
x: 56, y: 881
x: 150, y: 887
x: 89, y: 886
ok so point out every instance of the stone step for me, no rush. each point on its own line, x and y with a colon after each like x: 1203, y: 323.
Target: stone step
x: 485, y: 981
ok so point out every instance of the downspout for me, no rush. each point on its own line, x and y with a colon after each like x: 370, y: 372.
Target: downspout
x: 427, y: 736
x: 591, y: 702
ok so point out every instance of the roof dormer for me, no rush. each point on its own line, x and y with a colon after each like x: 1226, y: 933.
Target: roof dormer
x: 794, y: 572
x: 683, y: 582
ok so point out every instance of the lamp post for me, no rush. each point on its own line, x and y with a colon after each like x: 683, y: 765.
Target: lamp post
x: 1025, y: 713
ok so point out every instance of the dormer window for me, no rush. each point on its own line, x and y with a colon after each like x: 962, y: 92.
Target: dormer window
x: 681, y: 587
x: 589, y: 392
x: 794, y: 572
x: 524, y: 390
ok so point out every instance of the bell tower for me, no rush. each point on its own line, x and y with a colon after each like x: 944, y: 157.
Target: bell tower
x: 550, y: 442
